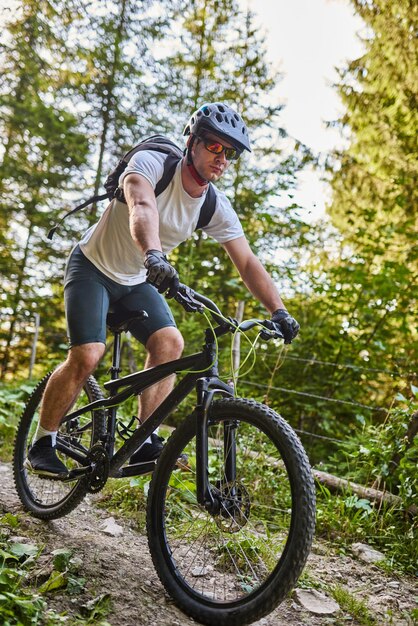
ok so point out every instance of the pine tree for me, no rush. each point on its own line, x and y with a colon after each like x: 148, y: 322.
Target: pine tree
x: 364, y: 273
x: 222, y: 58
x: 42, y: 148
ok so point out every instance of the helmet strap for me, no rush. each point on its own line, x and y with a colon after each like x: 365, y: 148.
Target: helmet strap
x: 193, y: 171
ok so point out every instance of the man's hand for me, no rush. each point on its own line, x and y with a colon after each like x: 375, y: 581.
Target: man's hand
x: 287, y: 324
x: 160, y: 273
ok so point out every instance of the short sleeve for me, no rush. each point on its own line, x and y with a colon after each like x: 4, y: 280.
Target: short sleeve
x: 225, y: 224
x: 148, y: 163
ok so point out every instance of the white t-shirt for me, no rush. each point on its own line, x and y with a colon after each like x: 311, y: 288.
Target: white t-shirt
x: 109, y: 244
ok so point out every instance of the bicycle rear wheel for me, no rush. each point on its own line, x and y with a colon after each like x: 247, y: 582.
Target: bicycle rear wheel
x: 233, y: 567
x: 47, y: 498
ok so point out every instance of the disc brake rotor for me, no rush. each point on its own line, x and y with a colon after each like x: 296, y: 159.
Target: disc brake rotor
x: 235, y: 507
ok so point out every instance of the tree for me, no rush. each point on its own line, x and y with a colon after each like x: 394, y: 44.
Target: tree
x: 35, y: 169
x: 363, y: 272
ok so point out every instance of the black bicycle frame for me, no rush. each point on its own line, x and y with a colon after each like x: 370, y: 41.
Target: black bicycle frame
x: 203, y: 376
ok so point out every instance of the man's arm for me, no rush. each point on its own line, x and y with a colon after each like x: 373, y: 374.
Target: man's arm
x: 253, y: 273
x: 143, y: 213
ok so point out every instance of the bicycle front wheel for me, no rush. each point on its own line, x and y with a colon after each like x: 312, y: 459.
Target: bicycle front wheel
x: 47, y: 498
x: 234, y: 566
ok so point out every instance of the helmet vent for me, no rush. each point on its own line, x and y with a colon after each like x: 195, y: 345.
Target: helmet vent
x: 220, y: 119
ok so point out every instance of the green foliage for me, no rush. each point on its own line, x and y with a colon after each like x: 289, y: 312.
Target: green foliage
x: 346, y: 519
x: 12, y: 403
x: 127, y: 497
x: 384, y: 455
x: 365, y: 275
x: 24, y: 604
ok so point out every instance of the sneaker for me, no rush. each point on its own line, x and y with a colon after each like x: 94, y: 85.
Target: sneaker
x: 148, y: 451
x: 42, y: 459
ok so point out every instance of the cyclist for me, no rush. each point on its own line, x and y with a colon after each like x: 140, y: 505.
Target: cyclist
x: 121, y: 261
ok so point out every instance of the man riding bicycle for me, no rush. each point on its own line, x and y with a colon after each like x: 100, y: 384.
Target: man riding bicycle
x: 121, y: 262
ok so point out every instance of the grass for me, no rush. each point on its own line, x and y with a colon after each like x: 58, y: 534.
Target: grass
x: 356, y: 608
x: 344, y: 519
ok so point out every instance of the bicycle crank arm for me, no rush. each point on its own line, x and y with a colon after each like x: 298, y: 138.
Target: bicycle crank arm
x: 77, y: 473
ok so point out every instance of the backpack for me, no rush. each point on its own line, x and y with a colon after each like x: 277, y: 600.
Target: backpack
x: 158, y: 143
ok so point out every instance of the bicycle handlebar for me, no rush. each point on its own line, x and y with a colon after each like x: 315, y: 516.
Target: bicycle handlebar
x: 192, y: 301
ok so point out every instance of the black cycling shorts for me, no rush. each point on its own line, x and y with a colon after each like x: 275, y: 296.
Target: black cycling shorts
x: 88, y: 293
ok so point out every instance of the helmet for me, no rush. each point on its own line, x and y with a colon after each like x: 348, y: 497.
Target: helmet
x: 222, y: 120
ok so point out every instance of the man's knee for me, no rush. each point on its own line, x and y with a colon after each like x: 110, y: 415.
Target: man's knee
x: 165, y: 344
x: 84, y: 359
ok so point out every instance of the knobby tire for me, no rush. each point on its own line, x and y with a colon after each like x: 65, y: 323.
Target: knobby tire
x: 38, y: 494
x: 231, y: 569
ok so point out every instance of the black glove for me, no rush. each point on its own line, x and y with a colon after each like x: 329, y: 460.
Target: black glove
x: 287, y: 324
x: 160, y: 273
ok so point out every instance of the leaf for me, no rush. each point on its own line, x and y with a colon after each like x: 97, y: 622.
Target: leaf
x: 24, y: 549
x: 414, y: 390
x: 6, y: 556
x: 61, y: 559
x: 8, y: 577
x: 75, y: 585
x: 57, y: 580
x: 10, y: 519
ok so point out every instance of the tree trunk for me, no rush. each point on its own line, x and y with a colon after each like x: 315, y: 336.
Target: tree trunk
x: 16, y: 304
x: 108, y: 105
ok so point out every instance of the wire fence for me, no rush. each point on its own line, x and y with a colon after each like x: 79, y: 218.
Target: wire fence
x: 314, y: 395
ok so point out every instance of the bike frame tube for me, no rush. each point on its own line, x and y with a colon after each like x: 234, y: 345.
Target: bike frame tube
x: 207, y: 384
x: 137, y: 383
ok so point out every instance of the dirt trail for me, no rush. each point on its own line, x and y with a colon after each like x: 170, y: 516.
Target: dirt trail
x: 122, y: 567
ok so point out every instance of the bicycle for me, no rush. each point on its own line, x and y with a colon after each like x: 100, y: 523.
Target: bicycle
x: 231, y: 505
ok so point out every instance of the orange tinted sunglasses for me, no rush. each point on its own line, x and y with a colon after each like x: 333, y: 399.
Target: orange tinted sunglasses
x: 231, y: 154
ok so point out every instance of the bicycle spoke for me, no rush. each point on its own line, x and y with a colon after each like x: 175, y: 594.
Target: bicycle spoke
x: 237, y: 548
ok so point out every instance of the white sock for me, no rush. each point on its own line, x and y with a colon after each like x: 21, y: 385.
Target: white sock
x: 42, y: 432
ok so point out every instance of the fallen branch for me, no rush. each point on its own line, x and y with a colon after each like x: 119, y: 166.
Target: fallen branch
x: 374, y: 495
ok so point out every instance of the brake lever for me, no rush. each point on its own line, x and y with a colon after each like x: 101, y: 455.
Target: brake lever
x: 185, y: 298
x: 269, y: 333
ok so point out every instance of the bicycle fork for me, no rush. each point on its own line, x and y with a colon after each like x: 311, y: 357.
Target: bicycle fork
x: 206, y: 496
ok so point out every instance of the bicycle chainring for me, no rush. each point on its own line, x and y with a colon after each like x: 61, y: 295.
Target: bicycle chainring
x: 235, y: 506
x: 99, y: 462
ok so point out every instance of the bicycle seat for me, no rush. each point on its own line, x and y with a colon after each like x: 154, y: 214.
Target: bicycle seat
x: 119, y: 321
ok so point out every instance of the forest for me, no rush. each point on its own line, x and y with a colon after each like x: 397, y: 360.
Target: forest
x: 82, y: 82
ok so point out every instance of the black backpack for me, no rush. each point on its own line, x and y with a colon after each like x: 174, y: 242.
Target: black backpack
x: 159, y: 144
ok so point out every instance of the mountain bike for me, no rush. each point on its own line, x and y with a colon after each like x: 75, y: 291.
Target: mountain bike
x: 231, y: 505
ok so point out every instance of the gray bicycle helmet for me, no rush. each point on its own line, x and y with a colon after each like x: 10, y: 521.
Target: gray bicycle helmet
x: 222, y: 120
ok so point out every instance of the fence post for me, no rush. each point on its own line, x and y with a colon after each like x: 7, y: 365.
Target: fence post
x: 236, y: 356
x: 34, y: 342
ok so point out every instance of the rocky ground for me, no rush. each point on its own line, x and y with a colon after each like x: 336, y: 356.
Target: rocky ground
x: 113, y: 559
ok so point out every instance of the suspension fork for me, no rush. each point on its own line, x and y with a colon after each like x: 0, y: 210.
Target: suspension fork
x: 206, y: 390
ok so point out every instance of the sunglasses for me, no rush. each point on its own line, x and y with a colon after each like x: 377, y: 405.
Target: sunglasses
x: 231, y: 154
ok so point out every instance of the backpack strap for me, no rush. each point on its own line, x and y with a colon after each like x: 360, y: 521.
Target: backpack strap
x: 208, y: 208
x: 170, y: 165
x: 77, y: 208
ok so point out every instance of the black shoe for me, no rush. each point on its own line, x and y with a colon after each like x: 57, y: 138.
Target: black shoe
x: 148, y: 451
x: 42, y: 459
